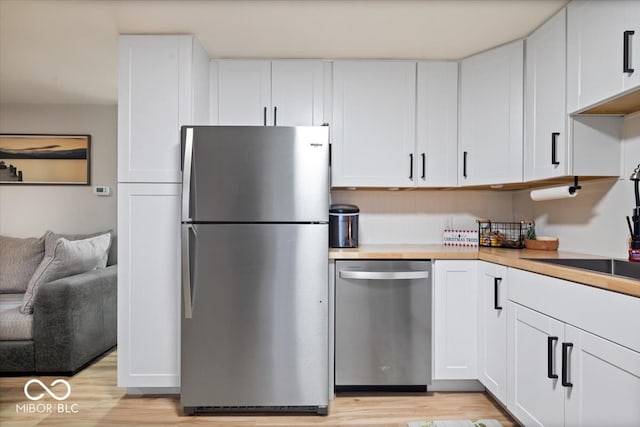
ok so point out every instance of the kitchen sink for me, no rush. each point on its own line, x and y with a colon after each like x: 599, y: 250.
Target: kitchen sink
x: 615, y: 267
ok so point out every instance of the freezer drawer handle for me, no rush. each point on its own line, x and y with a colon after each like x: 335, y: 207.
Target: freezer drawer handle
x: 186, y: 270
x: 383, y: 275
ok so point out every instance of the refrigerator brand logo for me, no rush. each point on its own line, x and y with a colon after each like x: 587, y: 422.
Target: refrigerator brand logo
x: 316, y: 144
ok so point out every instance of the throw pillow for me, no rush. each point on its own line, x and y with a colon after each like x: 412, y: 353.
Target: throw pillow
x: 19, y: 259
x: 66, y: 259
x: 51, y: 238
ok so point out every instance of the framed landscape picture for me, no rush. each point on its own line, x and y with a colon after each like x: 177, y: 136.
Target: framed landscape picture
x: 44, y: 159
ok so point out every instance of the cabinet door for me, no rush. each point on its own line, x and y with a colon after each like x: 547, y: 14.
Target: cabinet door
x: 437, y: 124
x: 595, y: 50
x: 243, y: 90
x: 148, y: 285
x: 297, y: 93
x: 491, y: 116
x: 492, y: 329
x: 533, y: 397
x: 545, y: 139
x: 154, y: 100
x: 455, y: 307
x: 632, y: 23
x: 374, y: 123
x: 606, y: 382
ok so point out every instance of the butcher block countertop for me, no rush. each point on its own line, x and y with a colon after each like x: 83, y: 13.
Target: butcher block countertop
x: 517, y: 258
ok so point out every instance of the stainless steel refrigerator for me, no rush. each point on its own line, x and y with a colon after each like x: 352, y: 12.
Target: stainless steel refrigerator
x: 255, y: 204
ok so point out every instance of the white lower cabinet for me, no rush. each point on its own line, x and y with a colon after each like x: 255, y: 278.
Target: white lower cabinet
x: 606, y: 382
x: 560, y: 374
x: 455, y: 314
x: 533, y: 397
x: 148, y: 285
x: 492, y: 328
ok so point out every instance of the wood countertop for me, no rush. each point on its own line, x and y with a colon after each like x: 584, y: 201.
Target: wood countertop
x: 405, y: 252
x: 523, y: 259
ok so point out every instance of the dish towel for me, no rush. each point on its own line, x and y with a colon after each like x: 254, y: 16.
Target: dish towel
x: 455, y: 423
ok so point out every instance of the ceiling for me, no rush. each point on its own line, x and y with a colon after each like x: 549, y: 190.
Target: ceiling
x: 65, y: 51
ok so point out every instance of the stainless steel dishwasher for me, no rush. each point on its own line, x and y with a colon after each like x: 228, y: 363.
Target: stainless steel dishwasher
x: 383, y: 325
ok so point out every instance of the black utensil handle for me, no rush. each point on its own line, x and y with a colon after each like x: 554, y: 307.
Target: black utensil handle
x: 550, y: 373
x: 464, y: 164
x: 275, y: 116
x: 411, y: 166
x: 424, y: 166
x: 264, y: 116
x: 496, y: 303
x: 626, y: 53
x: 554, y: 147
x: 565, y: 364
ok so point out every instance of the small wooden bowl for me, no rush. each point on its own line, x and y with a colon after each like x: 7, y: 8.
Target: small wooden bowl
x: 543, y: 243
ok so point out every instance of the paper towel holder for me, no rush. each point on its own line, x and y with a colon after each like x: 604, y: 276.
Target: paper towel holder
x: 575, y: 187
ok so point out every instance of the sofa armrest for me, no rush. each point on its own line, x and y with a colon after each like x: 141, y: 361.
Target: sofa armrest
x: 75, y: 320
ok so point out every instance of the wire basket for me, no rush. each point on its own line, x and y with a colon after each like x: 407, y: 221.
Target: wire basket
x: 503, y: 234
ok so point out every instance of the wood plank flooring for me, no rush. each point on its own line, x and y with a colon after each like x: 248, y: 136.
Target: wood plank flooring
x: 98, y: 402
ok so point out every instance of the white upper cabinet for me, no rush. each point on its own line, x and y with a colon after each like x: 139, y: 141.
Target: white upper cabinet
x: 297, y: 92
x: 603, y: 45
x: 555, y: 144
x: 545, y: 139
x: 374, y: 104
x: 436, y: 125
x: 243, y: 89
x: 268, y: 93
x: 163, y: 83
x: 491, y: 116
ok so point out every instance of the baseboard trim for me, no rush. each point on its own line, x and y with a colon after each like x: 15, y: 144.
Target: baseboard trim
x: 455, y: 385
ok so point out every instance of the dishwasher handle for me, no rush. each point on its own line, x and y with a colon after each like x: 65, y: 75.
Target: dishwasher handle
x: 383, y: 275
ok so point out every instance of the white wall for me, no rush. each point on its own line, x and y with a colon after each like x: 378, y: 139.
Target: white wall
x: 420, y: 216
x: 594, y: 221
x: 30, y: 210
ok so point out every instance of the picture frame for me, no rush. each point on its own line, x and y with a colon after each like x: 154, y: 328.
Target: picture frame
x: 45, y: 159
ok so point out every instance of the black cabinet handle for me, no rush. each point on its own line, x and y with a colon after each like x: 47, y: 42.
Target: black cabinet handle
x: 464, y: 164
x: 264, y: 116
x: 626, y: 52
x: 275, y: 116
x: 565, y: 364
x: 411, y: 166
x: 330, y: 152
x: 554, y: 147
x: 424, y: 166
x: 496, y: 282
x: 550, y: 341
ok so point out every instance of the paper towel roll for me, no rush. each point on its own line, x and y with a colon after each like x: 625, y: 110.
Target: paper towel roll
x: 553, y: 193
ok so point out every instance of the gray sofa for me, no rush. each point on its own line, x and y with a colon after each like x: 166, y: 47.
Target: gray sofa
x: 73, y: 322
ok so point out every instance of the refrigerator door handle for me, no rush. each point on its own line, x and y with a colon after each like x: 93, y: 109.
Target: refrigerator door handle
x: 186, y: 270
x: 186, y: 174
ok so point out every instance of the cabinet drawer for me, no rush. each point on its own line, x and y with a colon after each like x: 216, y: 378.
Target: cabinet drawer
x: 608, y: 314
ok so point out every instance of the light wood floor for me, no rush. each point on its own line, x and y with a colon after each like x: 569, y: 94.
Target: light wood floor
x: 100, y: 403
